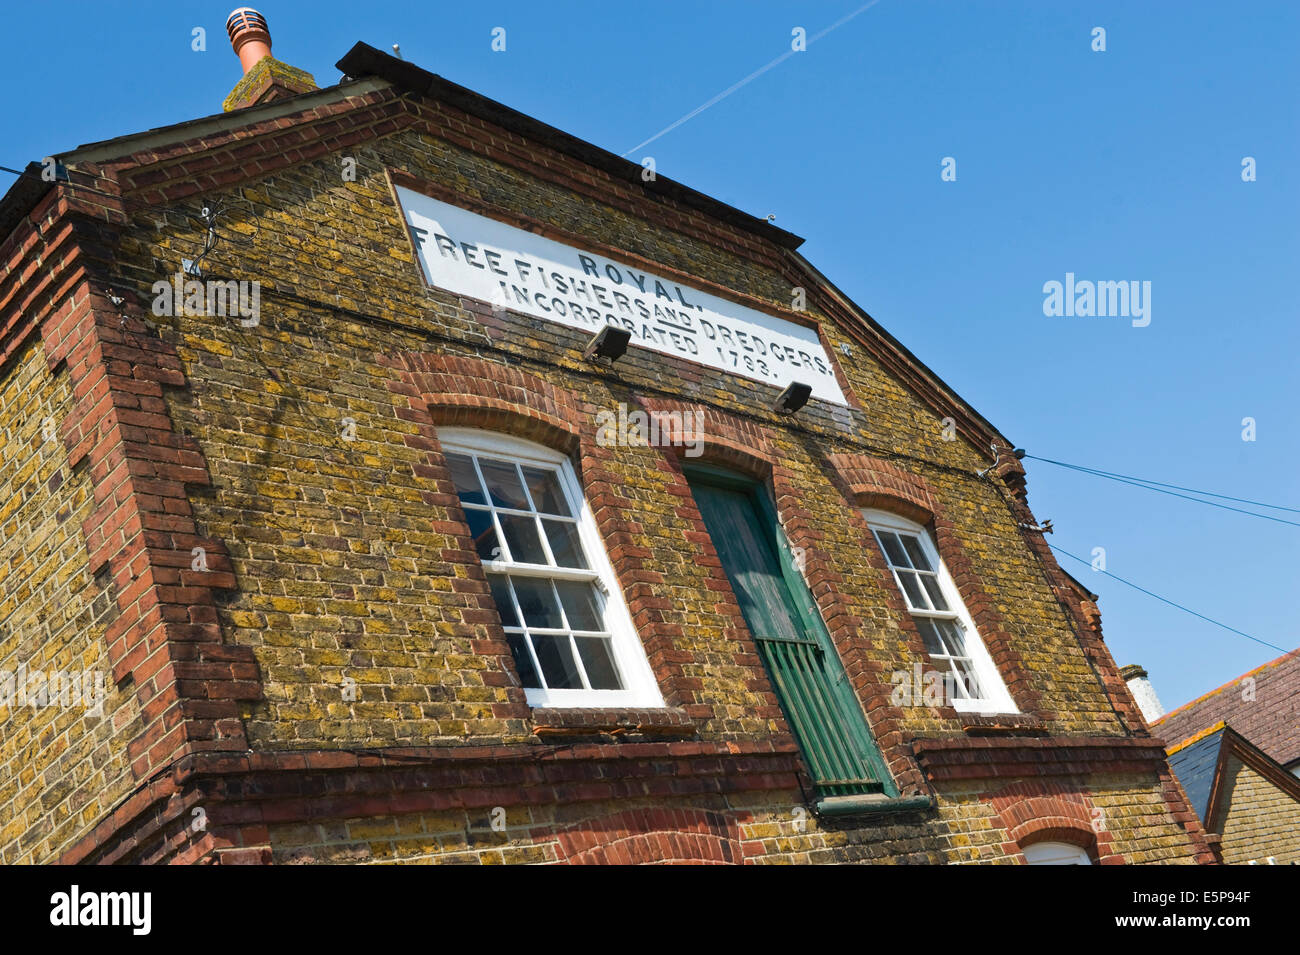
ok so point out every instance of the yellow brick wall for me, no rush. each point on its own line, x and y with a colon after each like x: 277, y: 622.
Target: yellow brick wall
x: 1261, y: 820
x: 339, y: 569
x: 775, y: 827
x: 60, y: 768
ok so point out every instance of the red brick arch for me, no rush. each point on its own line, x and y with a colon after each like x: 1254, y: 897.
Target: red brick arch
x: 723, y: 440
x: 872, y: 482
x: 649, y: 837
x: 1034, y: 812
x: 474, y: 393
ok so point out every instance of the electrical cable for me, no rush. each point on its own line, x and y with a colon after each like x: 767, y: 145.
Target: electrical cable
x: 1129, y: 583
x: 1159, y: 489
x: 1176, y: 487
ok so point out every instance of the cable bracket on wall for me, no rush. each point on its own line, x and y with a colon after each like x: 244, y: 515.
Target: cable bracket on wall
x: 208, y: 215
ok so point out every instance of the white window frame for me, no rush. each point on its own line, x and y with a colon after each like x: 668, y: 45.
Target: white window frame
x: 996, y: 698
x: 1055, y: 853
x: 640, y: 689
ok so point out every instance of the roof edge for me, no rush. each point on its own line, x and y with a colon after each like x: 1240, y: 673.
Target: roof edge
x: 364, y: 60
x: 1235, y: 744
x: 1196, y: 737
x: 21, y: 198
x: 981, y: 423
x: 29, y: 188
x: 1228, y: 685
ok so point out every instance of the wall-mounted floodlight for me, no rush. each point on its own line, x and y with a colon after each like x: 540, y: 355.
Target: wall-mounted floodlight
x: 794, y: 397
x: 609, y: 344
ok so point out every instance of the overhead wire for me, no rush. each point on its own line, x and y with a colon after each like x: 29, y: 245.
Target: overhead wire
x: 1161, y: 488
x: 1166, y: 600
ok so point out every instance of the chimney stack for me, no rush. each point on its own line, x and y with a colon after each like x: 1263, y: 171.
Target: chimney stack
x: 249, y: 36
x: 266, y: 79
x: 1144, y: 694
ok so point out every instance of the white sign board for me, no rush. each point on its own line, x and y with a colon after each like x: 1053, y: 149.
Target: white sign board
x: 473, y: 255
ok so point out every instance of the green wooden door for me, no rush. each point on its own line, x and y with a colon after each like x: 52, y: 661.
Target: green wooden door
x: 806, y: 672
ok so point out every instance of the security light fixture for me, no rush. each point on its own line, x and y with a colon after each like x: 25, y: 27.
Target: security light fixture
x: 609, y: 344
x: 794, y: 397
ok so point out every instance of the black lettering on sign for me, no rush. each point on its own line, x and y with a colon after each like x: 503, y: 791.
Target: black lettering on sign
x: 445, y: 246
x: 588, y: 265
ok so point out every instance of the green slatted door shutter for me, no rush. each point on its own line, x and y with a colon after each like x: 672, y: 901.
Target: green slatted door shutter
x: 805, y: 669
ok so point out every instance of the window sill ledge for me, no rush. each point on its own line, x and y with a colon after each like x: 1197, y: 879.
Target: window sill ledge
x: 625, y: 724
x: 861, y: 805
x: 990, y: 724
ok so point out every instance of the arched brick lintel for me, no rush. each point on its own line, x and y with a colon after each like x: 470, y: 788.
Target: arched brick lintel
x: 872, y: 482
x: 648, y: 836
x: 710, y: 436
x: 458, y: 391
x: 1033, y: 812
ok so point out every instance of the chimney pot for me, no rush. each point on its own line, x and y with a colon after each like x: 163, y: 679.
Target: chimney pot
x: 1144, y: 694
x: 249, y: 36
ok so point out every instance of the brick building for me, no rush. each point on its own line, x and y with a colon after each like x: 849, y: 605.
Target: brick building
x: 1236, y: 752
x: 312, y: 496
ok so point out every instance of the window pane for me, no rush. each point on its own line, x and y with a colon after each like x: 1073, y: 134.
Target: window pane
x: 505, y: 606
x: 544, y: 486
x: 563, y: 538
x: 537, y: 602
x: 503, y: 484
x: 523, y: 662
x: 929, y: 636
x: 556, y: 658
x: 521, y: 537
x: 466, y: 481
x: 915, y: 553
x: 970, y: 685
x: 936, y: 594
x: 952, y: 637
x: 598, y: 663
x: 484, y: 534
x: 893, y: 549
x: 913, y: 590
x: 581, y: 605
x: 953, y: 689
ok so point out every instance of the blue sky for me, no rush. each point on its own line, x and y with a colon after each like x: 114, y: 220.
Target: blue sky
x: 1122, y: 165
